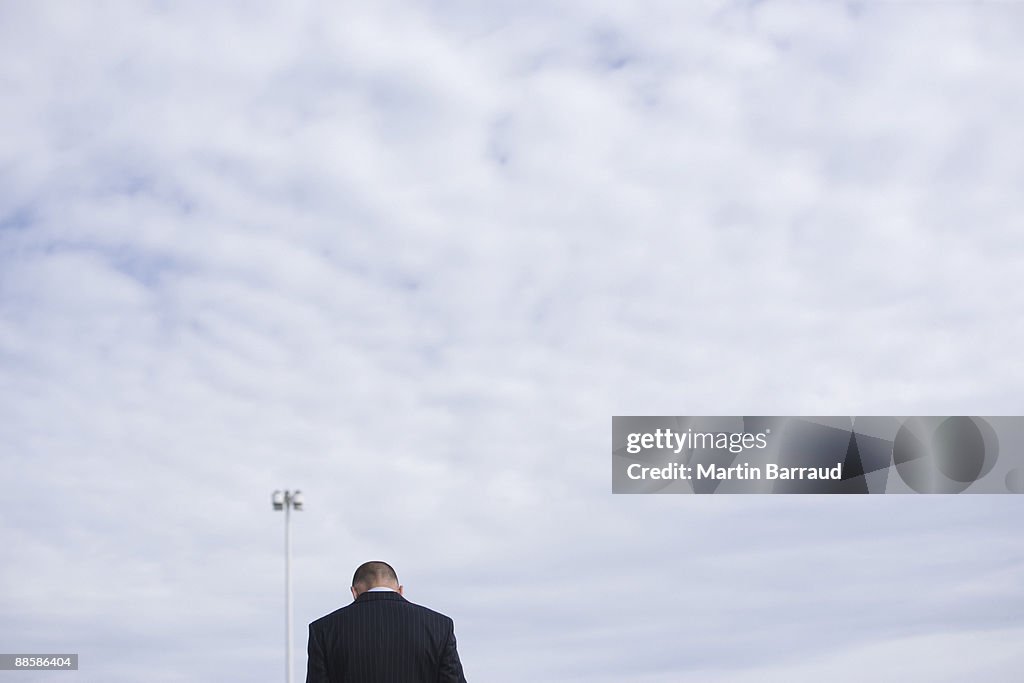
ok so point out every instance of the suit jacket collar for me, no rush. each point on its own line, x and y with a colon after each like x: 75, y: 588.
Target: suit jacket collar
x: 379, y: 595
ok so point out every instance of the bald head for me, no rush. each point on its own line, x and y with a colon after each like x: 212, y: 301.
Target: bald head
x: 375, y: 574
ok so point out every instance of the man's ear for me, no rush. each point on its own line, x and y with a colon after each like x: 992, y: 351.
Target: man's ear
x: 399, y: 589
x: 354, y: 594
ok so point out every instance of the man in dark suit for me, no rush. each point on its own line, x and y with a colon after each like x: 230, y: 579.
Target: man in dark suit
x: 382, y: 637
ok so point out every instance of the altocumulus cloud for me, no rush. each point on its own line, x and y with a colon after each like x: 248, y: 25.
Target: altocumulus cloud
x: 411, y: 257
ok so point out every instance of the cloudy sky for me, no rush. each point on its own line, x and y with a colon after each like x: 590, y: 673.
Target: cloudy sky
x: 411, y: 257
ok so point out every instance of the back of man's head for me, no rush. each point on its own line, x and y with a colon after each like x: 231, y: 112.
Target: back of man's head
x: 375, y: 574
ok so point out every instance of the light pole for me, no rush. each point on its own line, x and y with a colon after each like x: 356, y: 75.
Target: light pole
x: 286, y: 500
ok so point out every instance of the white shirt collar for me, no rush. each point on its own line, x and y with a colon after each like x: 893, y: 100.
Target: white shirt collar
x: 381, y: 589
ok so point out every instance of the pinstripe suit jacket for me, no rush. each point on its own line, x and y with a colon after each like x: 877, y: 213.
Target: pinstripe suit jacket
x: 383, y: 638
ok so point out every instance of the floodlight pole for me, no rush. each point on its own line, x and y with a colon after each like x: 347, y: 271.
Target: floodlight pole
x: 287, y: 500
x: 288, y: 586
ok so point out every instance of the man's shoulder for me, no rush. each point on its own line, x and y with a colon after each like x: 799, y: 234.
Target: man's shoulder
x: 328, y: 618
x: 426, y: 611
x: 358, y: 609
